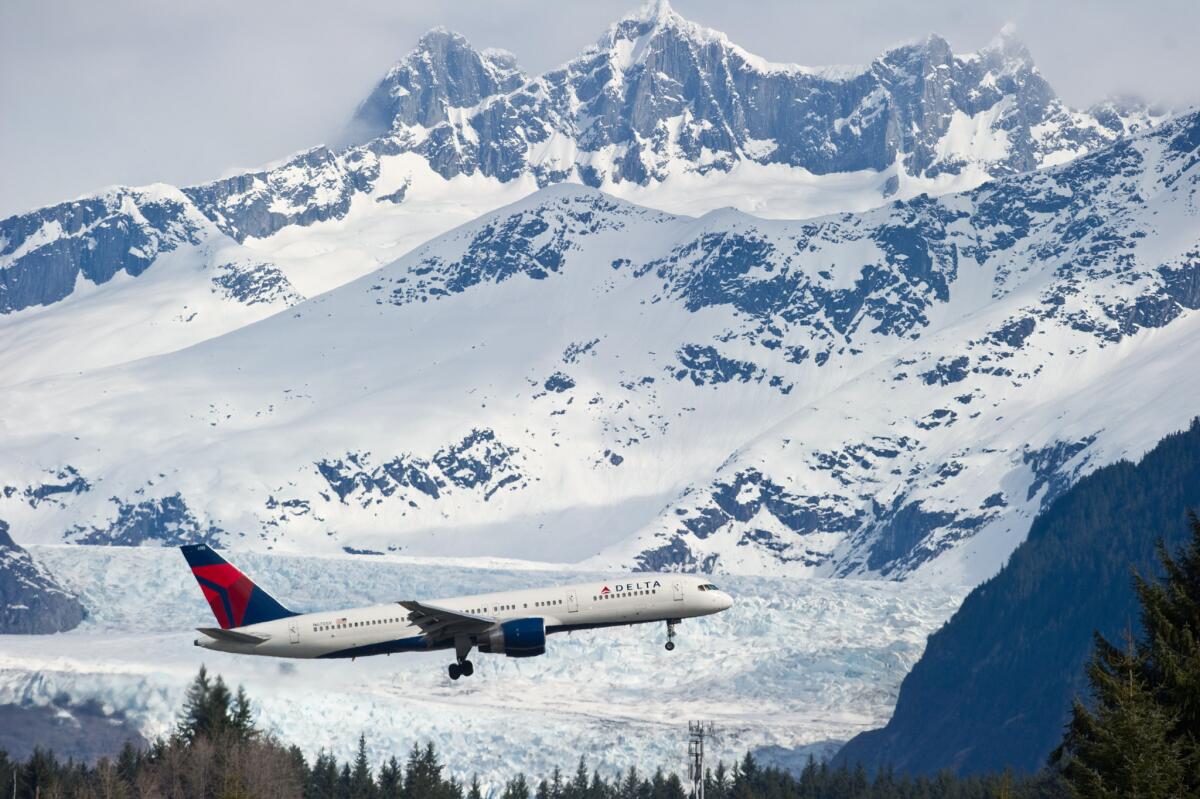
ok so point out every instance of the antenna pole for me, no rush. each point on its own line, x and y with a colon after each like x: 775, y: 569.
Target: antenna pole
x: 698, y: 732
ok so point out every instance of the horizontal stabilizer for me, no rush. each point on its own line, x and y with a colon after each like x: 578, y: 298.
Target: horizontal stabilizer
x: 232, y: 635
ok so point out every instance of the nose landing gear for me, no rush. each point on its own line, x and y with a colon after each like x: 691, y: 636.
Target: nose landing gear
x: 671, y: 634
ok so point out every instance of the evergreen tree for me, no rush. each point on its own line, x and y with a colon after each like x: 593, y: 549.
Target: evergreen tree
x: 128, y: 763
x: 1141, y: 738
x: 516, y: 788
x: 300, y: 766
x: 599, y: 788
x: 1171, y: 623
x: 362, y: 783
x: 475, y: 792
x: 322, y: 781
x: 390, y: 779
x: 220, y: 701
x: 630, y: 785
x: 423, y: 774
x: 241, y: 720
x: 196, y: 707
x: 578, y: 789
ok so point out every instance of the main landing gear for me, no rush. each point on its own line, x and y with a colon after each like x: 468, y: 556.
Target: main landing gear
x: 671, y: 634
x: 464, y: 667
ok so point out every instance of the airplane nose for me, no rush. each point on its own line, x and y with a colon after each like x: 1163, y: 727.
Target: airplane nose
x: 724, y: 601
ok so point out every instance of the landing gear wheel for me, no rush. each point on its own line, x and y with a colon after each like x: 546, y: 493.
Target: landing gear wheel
x: 671, y: 633
x: 670, y: 645
x: 455, y: 671
x: 467, y: 668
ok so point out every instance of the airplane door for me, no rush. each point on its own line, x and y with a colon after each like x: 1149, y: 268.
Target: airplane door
x: 294, y: 631
x: 677, y: 590
x: 572, y: 602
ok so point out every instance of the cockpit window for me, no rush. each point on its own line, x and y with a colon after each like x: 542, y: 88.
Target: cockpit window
x: 709, y: 587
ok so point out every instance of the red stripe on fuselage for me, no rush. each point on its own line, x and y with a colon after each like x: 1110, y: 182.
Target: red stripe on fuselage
x: 237, y: 588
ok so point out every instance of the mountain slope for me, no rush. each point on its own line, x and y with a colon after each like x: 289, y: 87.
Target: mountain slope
x: 1027, y: 302
x: 557, y: 376
x: 994, y: 687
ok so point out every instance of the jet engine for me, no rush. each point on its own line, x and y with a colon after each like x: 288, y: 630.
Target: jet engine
x: 519, y: 638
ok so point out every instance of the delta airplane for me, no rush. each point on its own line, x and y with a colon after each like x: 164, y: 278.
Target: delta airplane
x: 512, y: 623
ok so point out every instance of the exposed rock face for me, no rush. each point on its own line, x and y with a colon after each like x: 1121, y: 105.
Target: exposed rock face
x: 31, y: 602
x: 44, y: 253
x: 444, y: 72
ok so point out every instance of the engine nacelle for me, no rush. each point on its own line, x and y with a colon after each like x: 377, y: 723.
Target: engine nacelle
x: 519, y: 638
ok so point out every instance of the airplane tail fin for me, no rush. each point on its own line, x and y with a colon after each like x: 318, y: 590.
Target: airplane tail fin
x: 235, y: 600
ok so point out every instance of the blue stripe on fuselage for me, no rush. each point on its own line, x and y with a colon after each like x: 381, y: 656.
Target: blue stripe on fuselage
x: 420, y: 643
x: 417, y: 643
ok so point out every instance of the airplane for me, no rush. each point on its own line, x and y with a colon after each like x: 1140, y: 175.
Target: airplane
x: 511, y: 623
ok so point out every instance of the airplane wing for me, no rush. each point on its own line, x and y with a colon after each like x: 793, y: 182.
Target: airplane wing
x: 232, y: 635
x: 436, y: 622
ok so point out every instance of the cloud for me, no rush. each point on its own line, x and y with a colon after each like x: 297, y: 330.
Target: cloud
x: 135, y: 91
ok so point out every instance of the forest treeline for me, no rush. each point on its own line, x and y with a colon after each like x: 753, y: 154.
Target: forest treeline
x: 1139, y: 736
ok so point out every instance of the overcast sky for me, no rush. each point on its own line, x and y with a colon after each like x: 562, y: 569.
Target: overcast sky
x: 137, y: 91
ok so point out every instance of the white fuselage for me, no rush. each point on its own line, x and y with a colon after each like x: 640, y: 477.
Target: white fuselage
x: 383, y: 629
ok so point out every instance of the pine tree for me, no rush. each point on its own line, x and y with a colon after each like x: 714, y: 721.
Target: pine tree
x: 220, y: 700
x: 299, y: 765
x: 631, y: 784
x: 195, y: 720
x: 475, y: 791
x: 241, y: 720
x: 1122, y: 749
x: 599, y: 788
x: 516, y: 788
x: 322, y: 781
x: 1142, y: 737
x: 128, y: 763
x: 578, y: 788
x: 390, y: 779
x: 1171, y: 621
x: 362, y: 783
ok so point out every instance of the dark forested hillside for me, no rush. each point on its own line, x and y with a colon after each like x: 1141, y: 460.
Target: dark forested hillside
x: 995, y: 685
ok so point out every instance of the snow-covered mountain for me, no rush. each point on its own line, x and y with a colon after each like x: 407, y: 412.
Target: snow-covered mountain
x: 658, y: 96
x: 571, y: 376
x: 661, y: 111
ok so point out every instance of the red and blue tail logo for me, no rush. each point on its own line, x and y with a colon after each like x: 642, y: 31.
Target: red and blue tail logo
x: 235, y: 600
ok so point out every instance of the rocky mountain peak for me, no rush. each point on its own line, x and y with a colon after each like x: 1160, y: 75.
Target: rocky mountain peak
x: 442, y: 72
